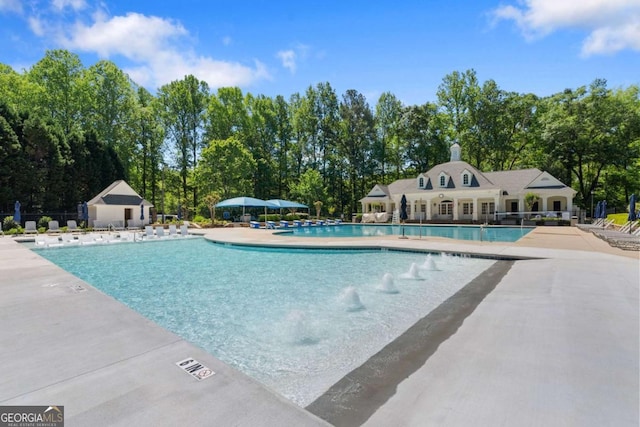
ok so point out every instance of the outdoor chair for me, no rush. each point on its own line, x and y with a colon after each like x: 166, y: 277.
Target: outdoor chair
x: 30, y: 227
x: 148, y: 232
x: 184, y: 230
x: 254, y: 224
x: 160, y: 232
x: 72, y: 226
x: 54, y: 227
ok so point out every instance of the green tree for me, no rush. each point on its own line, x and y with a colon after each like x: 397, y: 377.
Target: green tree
x: 387, y: 146
x: 182, y: 104
x: 587, y: 131
x: 111, y: 109
x: 226, y: 166
x: 422, y: 131
x: 457, y: 96
x: 355, y: 142
x: 64, y: 96
x: 309, y: 188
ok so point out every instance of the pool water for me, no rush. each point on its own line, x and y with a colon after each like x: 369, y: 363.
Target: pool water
x: 466, y: 232
x: 288, y: 318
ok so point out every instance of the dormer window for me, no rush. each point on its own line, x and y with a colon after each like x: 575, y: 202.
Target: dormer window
x: 443, y: 180
x: 421, y: 182
x: 466, y: 177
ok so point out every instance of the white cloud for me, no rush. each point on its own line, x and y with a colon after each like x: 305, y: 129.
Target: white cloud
x: 73, y: 4
x: 37, y: 26
x: 159, y: 50
x: 288, y: 58
x: 11, y: 6
x: 613, y: 25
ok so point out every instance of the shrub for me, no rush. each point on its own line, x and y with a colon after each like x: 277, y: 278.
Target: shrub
x: 43, y: 222
x: 200, y: 218
x: 292, y: 216
x: 8, y: 224
x: 270, y: 217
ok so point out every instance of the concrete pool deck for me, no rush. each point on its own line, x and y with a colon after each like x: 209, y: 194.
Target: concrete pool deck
x: 555, y: 343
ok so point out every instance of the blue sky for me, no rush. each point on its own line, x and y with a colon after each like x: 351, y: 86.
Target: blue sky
x: 281, y: 47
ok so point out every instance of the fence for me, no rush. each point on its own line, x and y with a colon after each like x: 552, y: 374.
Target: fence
x: 61, y: 217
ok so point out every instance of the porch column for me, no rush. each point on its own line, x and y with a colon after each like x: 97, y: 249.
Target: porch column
x: 474, y: 216
x: 428, y: 213
x: 497, y: 207
x: 545, y: 203
x: 521, y: 206
x: 455, y: 209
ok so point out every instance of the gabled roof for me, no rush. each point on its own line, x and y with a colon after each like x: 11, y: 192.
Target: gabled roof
x: 118, y: 193
x: 514, y: 181
x: 454, y: 171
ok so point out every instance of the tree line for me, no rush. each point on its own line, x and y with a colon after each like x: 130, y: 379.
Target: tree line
x: 67, y: 131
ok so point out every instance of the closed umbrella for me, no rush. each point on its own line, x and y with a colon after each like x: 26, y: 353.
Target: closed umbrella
x: 85, y: 213
x: 403, y: 212
x: 632, y: 210
x: 142, y: 212
x: 403, y: 208
x: 16, y: 214
x: 596, y: 214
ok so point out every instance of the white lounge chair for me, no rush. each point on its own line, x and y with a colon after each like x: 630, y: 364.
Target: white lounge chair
x: 254, y: 224
x: 270, y: 225
x: 100, y: 226
x: 72, y: 226
x: 148, y: 232
x: 30, y: 227
x: 160, y: 232
x: 172, y: 230
x: 68, y: 239
x: 54, y: 227
x: 184, y: 231
x: 87, y: 239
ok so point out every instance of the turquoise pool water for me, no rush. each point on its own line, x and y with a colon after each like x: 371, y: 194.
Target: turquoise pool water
x: 466, y: 232
x: 288, y: 318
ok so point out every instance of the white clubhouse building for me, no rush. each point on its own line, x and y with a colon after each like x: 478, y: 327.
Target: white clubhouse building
x: 456, y: 191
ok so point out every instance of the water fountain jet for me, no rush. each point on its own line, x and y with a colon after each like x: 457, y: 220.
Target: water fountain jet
x: 350, y: 299
x: 387, y: 286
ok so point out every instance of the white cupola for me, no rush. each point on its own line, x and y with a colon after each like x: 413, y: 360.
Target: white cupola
x: 455, y: 152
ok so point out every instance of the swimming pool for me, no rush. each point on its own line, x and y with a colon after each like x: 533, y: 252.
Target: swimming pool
x: 464, y: 232
x: 288, y: 318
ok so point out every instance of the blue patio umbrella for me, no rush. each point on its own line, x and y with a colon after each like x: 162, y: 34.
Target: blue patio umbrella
x: 632, y: 208
x: 287, y: 204
x: 247, y: 202
x: 84, y: 213
x: 596, y: 213
x: 16, y: 214
x: 603, y: 209
x: 142, y: 212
